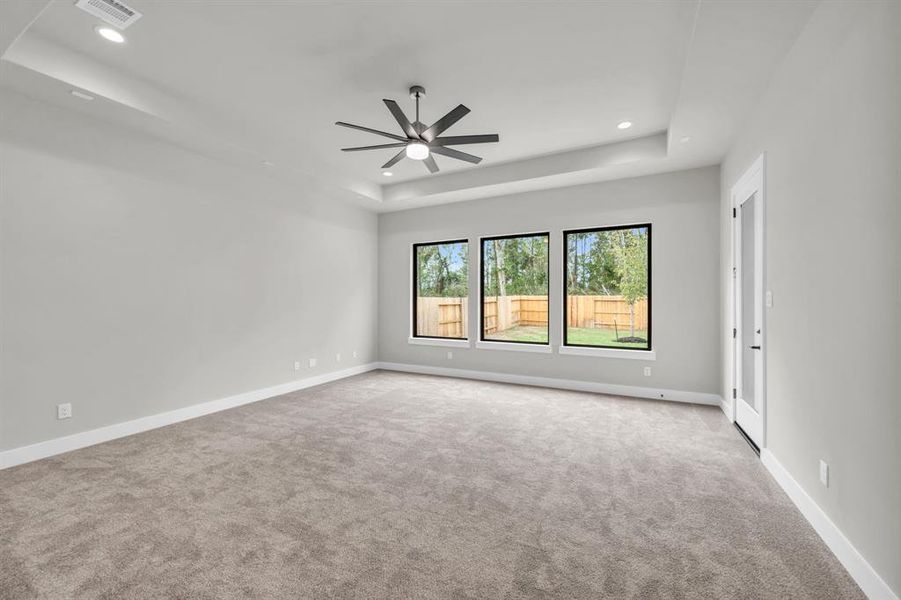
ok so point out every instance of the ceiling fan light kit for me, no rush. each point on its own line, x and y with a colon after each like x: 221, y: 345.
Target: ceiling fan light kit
x: 420, y: 142
x: 417, y: 151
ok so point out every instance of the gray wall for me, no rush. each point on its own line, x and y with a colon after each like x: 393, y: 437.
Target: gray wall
x: 683, y: 209
x: 830, y: 125
x: 136, y: 278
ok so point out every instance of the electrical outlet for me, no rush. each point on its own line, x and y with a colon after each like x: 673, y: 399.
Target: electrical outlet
x: 338, y: 357
x: 356, y: 354
x: 450, y: 355
x: 769, y: 299
x: 824, y: 473
x: 297, y: 365
x: 64, y: 411
x: 647, y: 371
x: 312, y: 362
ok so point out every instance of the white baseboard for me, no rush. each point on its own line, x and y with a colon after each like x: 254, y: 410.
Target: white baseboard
x: 860, y: 570
x: 726, y: 406
x: 25, y: 454
x: 563, y: 384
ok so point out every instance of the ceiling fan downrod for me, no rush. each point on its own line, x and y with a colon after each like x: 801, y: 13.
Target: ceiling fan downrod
x: 417, y: 92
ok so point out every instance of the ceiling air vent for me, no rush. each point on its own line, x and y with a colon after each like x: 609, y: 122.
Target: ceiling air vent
x: 114, y: 13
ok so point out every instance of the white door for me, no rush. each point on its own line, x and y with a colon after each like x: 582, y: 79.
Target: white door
x: 748, y: 333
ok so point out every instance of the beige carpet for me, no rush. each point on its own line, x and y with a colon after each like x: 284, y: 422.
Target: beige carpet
x: 389, y: 485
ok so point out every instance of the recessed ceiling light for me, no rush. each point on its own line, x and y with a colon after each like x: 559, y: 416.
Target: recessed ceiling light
x: 624, y: 125
x: 82, y: 95
x: 685, y: 139
x: 387, y: 173
x: 108, y: 33
x: 266, y: 163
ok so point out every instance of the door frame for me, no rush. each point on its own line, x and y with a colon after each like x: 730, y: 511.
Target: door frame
x: 753, y: 179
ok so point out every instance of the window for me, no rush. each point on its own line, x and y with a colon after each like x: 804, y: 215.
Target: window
x: 607, y: 280
x: 440, y: 289
x: 514, y: 288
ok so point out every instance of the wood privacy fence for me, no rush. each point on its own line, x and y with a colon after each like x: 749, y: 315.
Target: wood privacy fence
x: 604, y: 311
x: 504, y: 312
x: 447, y: 317
x: 441, y: 317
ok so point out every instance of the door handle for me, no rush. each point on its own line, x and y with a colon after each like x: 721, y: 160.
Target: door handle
x: 754, y: 347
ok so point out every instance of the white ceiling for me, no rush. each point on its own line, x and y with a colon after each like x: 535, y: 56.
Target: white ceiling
x: 249, y: 82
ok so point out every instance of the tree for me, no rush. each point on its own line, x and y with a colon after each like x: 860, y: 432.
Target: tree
x: 631, y: 260
x: 600, y: 264
x: 441, y: 270
x: 499, y: 270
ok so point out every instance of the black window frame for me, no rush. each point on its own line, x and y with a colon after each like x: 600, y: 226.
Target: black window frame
x: 414, y: 312
x: 566, y: 233
x: 482, y: 241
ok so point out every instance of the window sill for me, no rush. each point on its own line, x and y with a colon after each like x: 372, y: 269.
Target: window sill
x: 447, y: 343
x: 514, y: 347
x: 609, y: 353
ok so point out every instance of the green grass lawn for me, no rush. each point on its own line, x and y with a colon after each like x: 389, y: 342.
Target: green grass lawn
x: 576, y: 335
x: 603, y: 337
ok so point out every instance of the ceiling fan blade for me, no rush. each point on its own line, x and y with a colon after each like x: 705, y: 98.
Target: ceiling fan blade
x: 444, y: 122
x: 456, y: 154
x: 375, y: 131
x: 395, y: 159
x: 453, y: 140
x: 379, y: 147
x: 430, y: 164
x: 401, y: 118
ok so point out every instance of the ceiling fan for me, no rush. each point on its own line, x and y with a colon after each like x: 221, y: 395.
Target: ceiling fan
x: 420, y: 142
